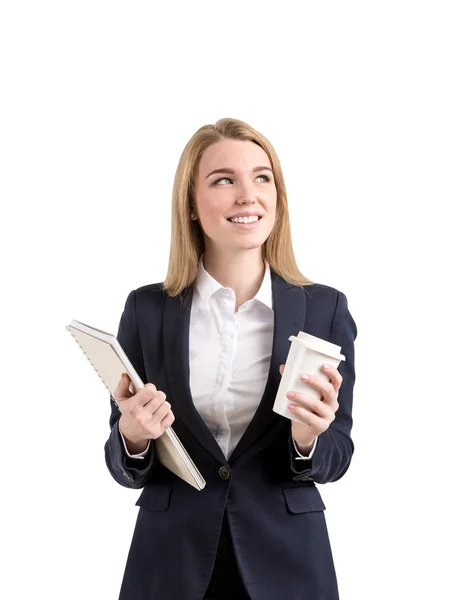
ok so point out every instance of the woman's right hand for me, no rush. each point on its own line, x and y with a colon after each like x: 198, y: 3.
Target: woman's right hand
x: 144, y: 415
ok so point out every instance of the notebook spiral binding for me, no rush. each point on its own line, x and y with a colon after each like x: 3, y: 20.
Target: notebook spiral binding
x: 101, y: 378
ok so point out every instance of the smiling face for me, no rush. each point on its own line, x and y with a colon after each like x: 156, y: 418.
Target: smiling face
x: 243, y: 183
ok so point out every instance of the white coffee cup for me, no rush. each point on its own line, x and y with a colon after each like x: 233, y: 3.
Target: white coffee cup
x: 307, y: 354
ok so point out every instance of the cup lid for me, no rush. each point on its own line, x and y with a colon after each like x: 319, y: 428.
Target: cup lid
x: 318, y: 344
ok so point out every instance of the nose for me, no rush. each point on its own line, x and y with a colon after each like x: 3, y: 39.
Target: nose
x: 246, y: 191
x: 245, y: 200
x: 246, y: 195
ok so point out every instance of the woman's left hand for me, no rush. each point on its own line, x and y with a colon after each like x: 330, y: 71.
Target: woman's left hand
x: 317, y: 414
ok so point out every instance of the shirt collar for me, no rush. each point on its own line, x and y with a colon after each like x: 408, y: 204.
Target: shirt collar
x: 207, y: 285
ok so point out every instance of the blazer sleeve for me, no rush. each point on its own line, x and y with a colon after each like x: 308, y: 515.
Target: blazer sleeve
x: 334, y: 448
x: 128, y: 472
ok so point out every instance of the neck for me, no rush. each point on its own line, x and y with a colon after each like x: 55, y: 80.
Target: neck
x: 243, y: 272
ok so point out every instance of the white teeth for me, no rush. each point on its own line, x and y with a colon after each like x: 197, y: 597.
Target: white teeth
x: 244, y: 219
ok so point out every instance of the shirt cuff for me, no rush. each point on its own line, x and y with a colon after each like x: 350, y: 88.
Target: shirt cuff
x: 300, y: 456
x: 141, y: 455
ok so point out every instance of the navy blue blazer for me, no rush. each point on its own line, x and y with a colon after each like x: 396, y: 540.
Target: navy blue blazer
x: 274, y: 509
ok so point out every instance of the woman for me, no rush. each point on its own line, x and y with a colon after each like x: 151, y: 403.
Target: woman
x: 212, y: 340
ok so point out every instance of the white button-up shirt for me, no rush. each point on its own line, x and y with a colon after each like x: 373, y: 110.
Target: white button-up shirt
x: 229, y: 358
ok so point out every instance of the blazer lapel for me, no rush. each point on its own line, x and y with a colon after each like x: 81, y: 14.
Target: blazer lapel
x: 289, y: 306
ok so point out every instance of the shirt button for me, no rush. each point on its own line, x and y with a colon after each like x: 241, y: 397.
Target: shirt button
x: 224, y: 473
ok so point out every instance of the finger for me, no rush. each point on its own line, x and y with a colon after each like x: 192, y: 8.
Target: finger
x: 140, y: 406
x: 150, y: 405
x: 148, y: 395
x: 161, y: 412
x: 122, y: 391
x: 317, y: 407
x: 281, y: 369
x: 336, y: 379
x: 325, y: 387
x: 149, y: 391
x: 168, y: 420
x: 147, y: 417
x: 314, y: 422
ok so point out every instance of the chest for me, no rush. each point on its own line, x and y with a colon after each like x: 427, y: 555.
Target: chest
x: 229, y: 352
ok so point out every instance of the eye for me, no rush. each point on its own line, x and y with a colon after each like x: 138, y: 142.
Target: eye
x: 228, y: 178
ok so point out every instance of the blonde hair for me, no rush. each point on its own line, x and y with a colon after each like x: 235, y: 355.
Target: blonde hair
x: 187, y: 241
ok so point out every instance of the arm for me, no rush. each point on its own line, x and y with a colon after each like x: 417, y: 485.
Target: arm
x: 126, y: 470
x: 334, y: 447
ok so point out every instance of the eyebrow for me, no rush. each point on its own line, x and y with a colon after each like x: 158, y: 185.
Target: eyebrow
x: 232, y: 172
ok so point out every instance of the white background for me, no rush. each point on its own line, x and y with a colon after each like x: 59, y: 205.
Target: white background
x: 98, y: 99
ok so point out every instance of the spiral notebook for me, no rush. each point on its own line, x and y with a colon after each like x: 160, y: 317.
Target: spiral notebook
x: 110, y: 361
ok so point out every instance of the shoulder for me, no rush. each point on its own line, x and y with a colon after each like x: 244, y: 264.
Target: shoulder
x: 319, y: 292
x: 150, y: 289
x: 147, y: 294
x: 324, y: 299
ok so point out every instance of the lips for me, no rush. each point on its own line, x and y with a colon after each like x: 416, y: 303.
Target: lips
x: 252, y: 225
x: 258, y: 218
x: 246, y: 214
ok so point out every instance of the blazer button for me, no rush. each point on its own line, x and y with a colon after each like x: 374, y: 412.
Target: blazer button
x: 224, y: 473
